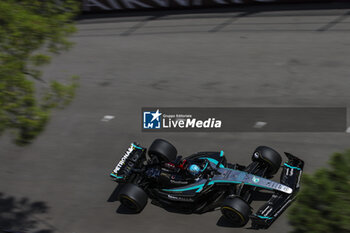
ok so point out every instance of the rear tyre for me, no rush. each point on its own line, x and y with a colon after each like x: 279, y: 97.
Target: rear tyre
x: 133, y: 198
x: 268, y: 156
x: 236, y: 211
x: 164, y: 151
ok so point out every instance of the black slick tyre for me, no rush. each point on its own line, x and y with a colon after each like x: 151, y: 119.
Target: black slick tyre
x: 236, y: 211
x: 268, y: 156
x: 163, y: 150
x: 133, y: 197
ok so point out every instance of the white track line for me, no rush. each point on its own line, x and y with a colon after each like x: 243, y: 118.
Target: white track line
x: 107, y: 118
x: 259, y: 124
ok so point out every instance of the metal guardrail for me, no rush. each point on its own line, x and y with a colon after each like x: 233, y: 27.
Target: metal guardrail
x: 116, y: 5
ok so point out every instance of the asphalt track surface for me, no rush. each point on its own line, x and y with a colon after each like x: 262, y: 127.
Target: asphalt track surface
x: 234, y: 58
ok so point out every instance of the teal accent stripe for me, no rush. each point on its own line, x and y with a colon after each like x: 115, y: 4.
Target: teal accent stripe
x: 118, y: 177
x: 206, y: 165
x: 287, y: 165
x: 236, y: 182
x: 137, y: 147
x: 200, y: 189
x: 223, y: 181
x: 263, y: 217
x: 186, y: 189
x: 213, y: 161
x: 221, y: 153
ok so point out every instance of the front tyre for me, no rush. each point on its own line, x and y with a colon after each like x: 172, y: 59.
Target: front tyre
x: 236, y: 211
x: 133, y: 197
x: 268, y: 156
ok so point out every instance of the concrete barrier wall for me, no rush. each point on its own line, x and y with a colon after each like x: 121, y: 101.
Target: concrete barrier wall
x: 113, y: 5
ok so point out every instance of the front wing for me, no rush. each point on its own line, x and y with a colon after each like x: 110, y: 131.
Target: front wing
x: 279, y: 201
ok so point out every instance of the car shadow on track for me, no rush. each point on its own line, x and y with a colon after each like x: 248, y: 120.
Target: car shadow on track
x: 224, y: 222
x: 123, y: 210
x: 114, y: 197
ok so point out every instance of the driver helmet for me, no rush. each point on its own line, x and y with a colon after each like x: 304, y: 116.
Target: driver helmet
x: 194, y: 169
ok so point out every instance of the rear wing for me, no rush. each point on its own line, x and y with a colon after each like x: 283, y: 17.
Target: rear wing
x: 279, y: 201
x: 130, y: 160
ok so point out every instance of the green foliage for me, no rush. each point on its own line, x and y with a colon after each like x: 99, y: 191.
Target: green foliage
x: 26, y: 27
x: 60, y: 95
x: 323, y: 205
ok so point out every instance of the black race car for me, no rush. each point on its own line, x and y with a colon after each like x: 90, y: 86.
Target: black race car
x: 205, y: 181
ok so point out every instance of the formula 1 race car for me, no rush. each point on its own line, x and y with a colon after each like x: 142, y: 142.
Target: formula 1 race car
x: 205, y: 181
